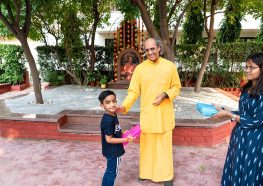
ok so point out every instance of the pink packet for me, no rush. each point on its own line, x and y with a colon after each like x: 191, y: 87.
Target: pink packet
x: 134, y: 132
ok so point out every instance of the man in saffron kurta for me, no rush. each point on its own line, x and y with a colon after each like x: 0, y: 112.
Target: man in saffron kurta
x: 157, y: 82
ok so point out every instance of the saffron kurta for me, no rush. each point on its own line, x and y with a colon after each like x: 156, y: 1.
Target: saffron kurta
x: 244, y: 161
x: 149, y: 80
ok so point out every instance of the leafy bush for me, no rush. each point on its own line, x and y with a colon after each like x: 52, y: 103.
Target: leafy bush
x: 51, y: 58
x: 12, y: 66
x: 54, y: 77
x: 225, y: 63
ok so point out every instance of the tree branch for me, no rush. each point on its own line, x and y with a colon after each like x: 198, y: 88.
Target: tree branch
x: 18, y: 10
x: 179, y: 21
x: 173, y: 9
x: 7, y: 23
x: 146, y: 18
x: 206, y: 28
x: 10, y: 15
x: 27, y: 22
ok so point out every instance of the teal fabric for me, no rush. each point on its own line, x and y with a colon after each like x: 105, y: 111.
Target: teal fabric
x: 206, y: 109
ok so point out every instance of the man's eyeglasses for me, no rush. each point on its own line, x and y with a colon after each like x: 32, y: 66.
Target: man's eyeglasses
x: 250, y: 68
x: 149, y: 49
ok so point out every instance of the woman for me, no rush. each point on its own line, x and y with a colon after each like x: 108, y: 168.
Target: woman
x: 244, y: 160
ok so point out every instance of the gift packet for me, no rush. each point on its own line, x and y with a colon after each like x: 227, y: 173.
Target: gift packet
x: 134, y: 132
x: 206, y: 109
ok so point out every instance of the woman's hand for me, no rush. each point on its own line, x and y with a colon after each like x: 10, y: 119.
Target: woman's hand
x: 221, y: 112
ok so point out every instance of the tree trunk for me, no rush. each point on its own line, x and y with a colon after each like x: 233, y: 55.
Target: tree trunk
x: 96, y: 17
x: 33, y: 69
x: 208, y: 47
x: 169, y: 53
x: 164, y: 32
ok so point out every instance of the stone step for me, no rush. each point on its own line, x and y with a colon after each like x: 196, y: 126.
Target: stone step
x: 88, y: 122
x: 94, y: 119
x: 80, y: 128
x: 83, y: 119
x: 120, y: 84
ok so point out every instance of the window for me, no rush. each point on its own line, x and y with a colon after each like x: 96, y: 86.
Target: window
x: 109, y: 42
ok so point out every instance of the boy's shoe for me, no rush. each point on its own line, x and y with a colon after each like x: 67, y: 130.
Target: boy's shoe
x: 140, y: 180
x: 168, y: 183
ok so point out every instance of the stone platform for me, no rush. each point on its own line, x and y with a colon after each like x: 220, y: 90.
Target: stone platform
x: 73, y: 113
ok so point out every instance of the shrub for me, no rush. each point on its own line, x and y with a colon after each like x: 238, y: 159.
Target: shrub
x: 12, y: 64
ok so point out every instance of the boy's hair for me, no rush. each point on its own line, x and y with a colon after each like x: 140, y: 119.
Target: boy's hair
x: 105, y: 94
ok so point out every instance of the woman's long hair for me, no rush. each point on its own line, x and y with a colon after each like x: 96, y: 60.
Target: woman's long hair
x: 258, y: 88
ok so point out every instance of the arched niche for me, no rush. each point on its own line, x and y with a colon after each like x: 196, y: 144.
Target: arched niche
x: 128, y: 59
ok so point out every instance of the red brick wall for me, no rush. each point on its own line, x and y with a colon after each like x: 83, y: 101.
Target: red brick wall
x: 202, y: 137
x: 39, y: 130
x: 4, y: 88
x: 182, y: 136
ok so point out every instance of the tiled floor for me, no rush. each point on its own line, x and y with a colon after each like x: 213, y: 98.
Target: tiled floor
x: 72, y: 97
x: 55, y: 163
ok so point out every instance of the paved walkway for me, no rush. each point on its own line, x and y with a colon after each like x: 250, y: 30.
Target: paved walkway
x: 82, y: 98
x: 58, y: 163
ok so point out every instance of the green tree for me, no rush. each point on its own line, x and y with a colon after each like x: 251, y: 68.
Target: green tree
x: 231, y: 25
x: 159, y: 18
x: 210, y: 33
x: 47, y: 23
x: 260, y: 34
x: 16, y: 16
x: 89, y: 15
x: 93, y: 14
x: 252, y: 7
x: 71, y: 41
x: 193, y: 26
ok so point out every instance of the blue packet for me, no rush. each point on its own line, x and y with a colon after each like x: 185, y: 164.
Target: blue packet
x: 206, y: 109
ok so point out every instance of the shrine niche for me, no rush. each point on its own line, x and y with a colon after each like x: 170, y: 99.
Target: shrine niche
x: 127, y: 49
x: 128, y: 59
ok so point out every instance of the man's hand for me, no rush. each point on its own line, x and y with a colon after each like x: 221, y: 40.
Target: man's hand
x: 159, y: 99
x: 120, y: 109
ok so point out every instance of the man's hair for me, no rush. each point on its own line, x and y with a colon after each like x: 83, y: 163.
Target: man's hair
x: 105, y: 94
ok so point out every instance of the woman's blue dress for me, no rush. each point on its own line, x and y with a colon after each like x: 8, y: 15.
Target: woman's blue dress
x: 244, y: 160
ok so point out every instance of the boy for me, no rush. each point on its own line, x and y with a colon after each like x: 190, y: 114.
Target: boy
x: 111, y: 133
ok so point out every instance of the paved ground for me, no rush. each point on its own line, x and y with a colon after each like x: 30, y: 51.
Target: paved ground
x: 83, y: 98
x: 55, y: 163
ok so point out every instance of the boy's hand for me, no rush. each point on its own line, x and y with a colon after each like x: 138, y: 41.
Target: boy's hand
x: 120, y: 109
x: 130, y: 139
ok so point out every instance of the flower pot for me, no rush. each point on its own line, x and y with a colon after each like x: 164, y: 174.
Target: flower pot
x: 92, y: 83
x: 103, y: 85
x: 242, y: 83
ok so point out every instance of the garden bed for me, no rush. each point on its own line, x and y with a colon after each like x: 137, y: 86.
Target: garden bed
x: 5, y: 87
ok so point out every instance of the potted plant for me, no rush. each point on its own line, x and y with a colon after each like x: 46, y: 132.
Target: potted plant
x: 91, y: 78
x: 243, y: 80
x: 103, y: 81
